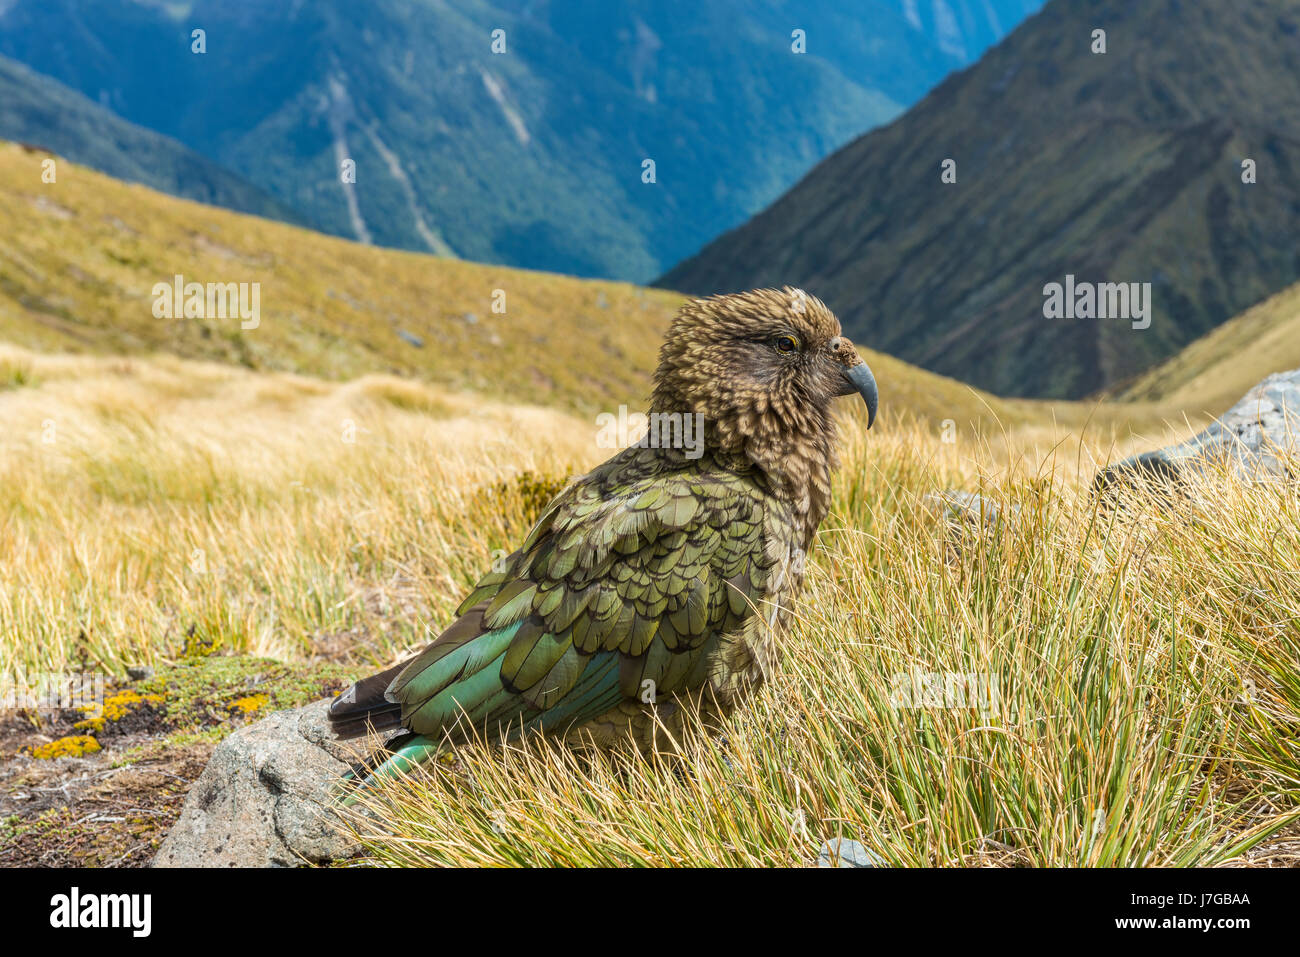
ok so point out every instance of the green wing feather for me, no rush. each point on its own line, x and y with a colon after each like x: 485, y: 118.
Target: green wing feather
x: 629, y: 576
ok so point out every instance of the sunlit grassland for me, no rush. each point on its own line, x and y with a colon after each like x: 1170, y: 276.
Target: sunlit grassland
x: 79, y: 259
x: 150, y: 505
x: 1143, y: 706
x: 1142, y: 662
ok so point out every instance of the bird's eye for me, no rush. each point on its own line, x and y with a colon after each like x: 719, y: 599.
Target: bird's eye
x: 786, y: 344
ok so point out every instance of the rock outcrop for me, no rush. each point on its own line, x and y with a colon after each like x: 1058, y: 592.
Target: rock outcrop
x: 264, y: 798
x: 1253, y: 439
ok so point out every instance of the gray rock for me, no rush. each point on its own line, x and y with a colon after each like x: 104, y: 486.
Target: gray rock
x: 1250, y: 439
x: 264, y: 798
x: 411, y: 338
x: 842, y: 852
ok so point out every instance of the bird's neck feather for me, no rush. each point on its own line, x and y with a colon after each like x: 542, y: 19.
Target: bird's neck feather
x: 791, y: 444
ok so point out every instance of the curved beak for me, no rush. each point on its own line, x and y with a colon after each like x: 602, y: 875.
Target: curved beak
x: 856, y: 375
x: 863, y: 382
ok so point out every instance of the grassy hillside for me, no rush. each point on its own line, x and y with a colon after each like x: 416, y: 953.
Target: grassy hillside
x: 152, y: 501
x: 1217, y: 369
x: 79, y: 258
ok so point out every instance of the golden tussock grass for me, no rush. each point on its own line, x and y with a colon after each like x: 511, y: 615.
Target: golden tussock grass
x: 1068, y: 685
x: 153, y: 501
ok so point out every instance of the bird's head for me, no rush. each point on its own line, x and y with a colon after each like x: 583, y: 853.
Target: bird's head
x: 764, y: 361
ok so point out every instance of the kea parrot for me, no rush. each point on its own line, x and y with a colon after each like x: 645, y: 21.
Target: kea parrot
x: 660, y: 581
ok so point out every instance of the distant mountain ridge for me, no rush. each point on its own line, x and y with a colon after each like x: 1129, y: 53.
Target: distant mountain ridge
x: 532, y: 157
x: 35, y: 109
x: 1117, y: 167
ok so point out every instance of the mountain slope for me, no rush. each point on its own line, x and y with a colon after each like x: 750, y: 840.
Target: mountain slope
x: 1115, y: 167
x: 1219, y: 368
x: 532, y: 157
x: 79, y: 261
x: 35, y: 109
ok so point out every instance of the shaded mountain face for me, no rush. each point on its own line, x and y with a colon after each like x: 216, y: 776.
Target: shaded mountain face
x: 37, y: 110
x: 1123, y: 167
x: 534, y: 156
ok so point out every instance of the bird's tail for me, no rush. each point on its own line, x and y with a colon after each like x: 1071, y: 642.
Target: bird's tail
x: 404, y: 753
x: 366, y: 707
